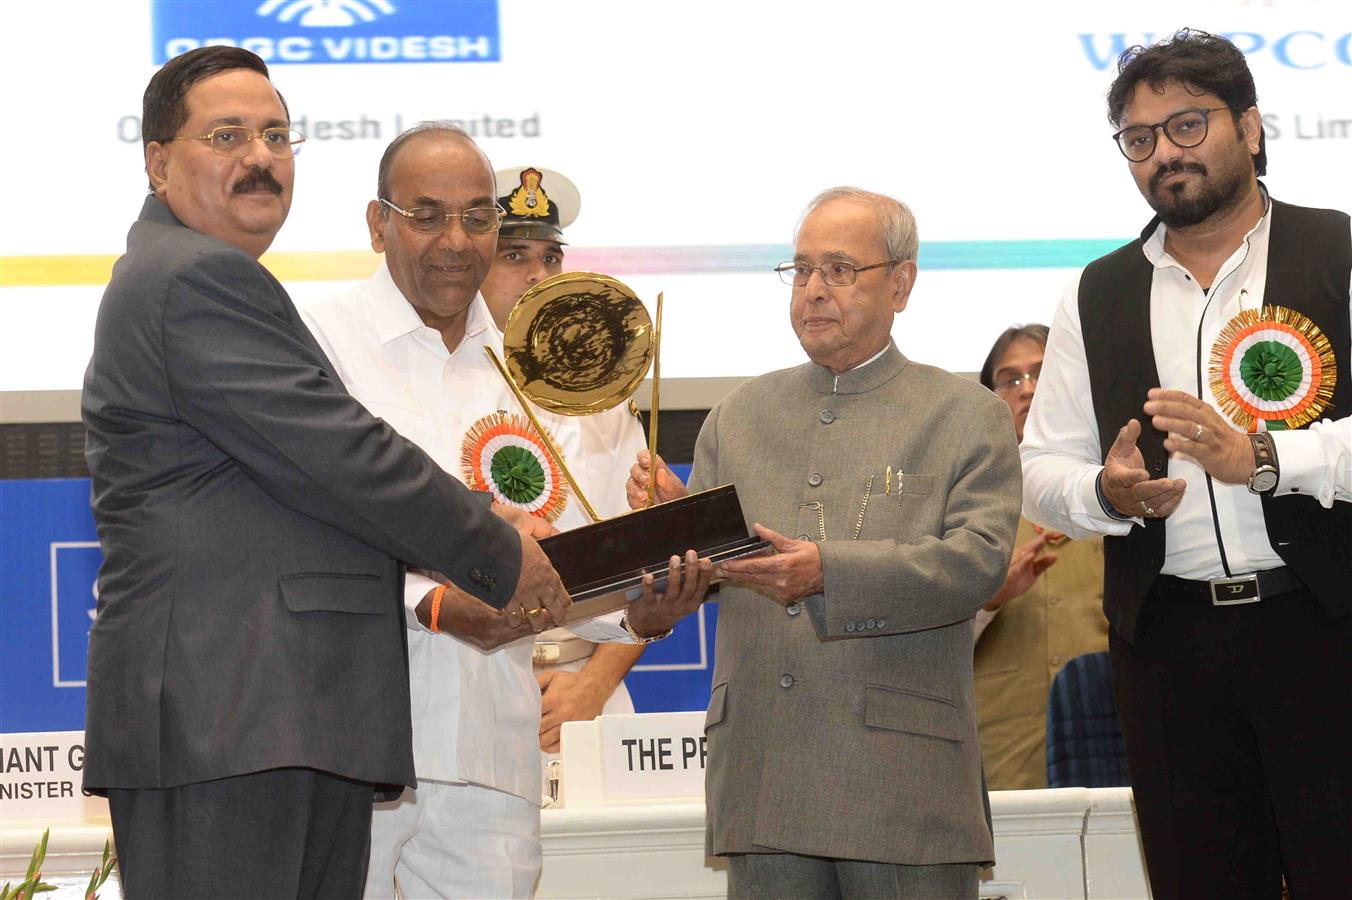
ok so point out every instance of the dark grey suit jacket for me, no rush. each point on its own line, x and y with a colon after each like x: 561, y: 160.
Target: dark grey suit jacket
x: 252, y: 516
x: 843, y: 726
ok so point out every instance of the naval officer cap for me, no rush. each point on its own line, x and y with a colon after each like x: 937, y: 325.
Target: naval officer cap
x: 540, y: 203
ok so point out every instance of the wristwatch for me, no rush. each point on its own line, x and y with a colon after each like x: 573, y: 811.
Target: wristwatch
x: 1265, y: 473
x: 638, y: 638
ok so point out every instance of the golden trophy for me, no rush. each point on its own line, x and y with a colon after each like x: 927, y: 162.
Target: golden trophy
x: 581, y: 343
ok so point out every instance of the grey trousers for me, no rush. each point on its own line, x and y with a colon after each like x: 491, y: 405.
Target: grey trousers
x: 763, y: 876
x: 283, y: 833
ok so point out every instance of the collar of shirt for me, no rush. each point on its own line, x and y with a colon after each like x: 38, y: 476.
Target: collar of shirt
x: 869, y: 375
x: 395, y: 316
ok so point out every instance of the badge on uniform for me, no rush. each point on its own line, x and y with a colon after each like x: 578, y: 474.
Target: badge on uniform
x: 503, y: 454
x: 1272, y: 369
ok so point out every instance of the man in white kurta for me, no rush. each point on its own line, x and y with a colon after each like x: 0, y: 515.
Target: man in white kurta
x: 476, y: 714
x: 471, y: 829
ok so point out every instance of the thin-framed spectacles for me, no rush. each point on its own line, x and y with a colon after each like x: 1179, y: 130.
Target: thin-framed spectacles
x: 1186, y: 129
x: 1012, y: 382
x: 433, y: 219
x: 234, y: 140
x: 836, y: 273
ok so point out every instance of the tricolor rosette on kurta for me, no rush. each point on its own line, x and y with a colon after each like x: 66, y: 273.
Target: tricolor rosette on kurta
x: 1272, y: 366
x: 504, y: 454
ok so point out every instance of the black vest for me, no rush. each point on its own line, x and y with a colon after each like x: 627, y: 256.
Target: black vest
x: 1309, y: 259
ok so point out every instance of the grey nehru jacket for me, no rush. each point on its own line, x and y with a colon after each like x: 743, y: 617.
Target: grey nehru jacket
x: 843, y: 726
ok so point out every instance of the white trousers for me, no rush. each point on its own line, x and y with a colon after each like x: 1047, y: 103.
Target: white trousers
x: 454, y: 840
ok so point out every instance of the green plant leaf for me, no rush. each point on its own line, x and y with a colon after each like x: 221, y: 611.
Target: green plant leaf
x: 39, y: 856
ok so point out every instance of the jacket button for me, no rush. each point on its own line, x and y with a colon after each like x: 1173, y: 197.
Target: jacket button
x: 786, y: 680
x: 814, y: 479
x: 794, y: 608
x: 871, y: 624
x: 882, y: 623
x: 804, y: 537
x: 827, y: 417
x: 849, y: 626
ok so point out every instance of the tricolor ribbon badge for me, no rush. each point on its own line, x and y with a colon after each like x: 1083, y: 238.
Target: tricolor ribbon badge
x: 503, y: 454
x: 1272, y: 369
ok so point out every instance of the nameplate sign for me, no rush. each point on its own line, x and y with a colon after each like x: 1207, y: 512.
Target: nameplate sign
x: 41, y: 775
x: 654, y: 755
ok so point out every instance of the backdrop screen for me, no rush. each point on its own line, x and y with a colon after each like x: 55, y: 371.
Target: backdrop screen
x: 696, y: 132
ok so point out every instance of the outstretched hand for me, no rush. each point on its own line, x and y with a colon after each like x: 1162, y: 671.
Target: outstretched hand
x: 651, y: 615
x: 792, y: 572
x: 1128, y: 486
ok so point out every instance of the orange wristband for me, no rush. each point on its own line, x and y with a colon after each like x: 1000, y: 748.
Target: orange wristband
x: 436, y: 607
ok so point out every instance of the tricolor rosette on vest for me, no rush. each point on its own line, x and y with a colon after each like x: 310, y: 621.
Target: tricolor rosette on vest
x: 1272, y: 369
x: 503, y: 454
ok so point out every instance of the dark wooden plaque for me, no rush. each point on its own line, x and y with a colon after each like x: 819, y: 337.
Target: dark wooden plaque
x: 602, y: 565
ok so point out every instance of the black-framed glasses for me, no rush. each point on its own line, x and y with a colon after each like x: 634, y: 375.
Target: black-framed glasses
x: 234, y: 140
x: 837, y: 273
x: 1186, y: 128
x: 433, y: 219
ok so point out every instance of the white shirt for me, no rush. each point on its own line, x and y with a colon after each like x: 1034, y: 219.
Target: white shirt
x: 1061, y: 452
x: 476, y: 714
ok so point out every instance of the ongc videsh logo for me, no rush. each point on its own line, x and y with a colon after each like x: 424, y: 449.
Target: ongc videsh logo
x: 332, y: 31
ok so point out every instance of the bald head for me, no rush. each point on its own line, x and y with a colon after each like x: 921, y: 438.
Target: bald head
x: 438, y: 129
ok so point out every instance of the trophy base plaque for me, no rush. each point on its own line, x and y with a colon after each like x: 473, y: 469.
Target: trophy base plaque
x: 602, y: 565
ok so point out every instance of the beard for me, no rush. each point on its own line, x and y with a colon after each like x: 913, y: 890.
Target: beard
x: 1176, y: 209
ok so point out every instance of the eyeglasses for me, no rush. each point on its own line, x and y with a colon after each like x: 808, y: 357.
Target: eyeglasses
x: 1185, y: 129
x: 234, y: 140
x: 836, y: 273
x: 433, y: 220
x: 1011, y: 383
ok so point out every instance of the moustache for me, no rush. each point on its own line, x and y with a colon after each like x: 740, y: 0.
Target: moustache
x: 1174, y: 167
x: 257, y: 178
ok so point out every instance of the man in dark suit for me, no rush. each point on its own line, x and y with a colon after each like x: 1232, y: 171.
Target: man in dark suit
x: 247, y: 674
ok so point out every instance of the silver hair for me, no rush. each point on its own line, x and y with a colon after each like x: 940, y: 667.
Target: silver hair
x: 434, y: 126
x: 895, y: 220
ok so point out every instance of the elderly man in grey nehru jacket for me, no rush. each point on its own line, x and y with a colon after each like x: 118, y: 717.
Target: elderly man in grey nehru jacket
x: 843, y: 755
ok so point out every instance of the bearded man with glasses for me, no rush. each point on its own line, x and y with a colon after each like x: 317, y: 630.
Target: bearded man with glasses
x: 247, y: 692
x: 843, y: 755
x: 1186, y: 410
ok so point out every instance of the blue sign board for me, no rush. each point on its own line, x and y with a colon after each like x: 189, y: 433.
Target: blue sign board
x: 332, y: 31
x: 49, y: 560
